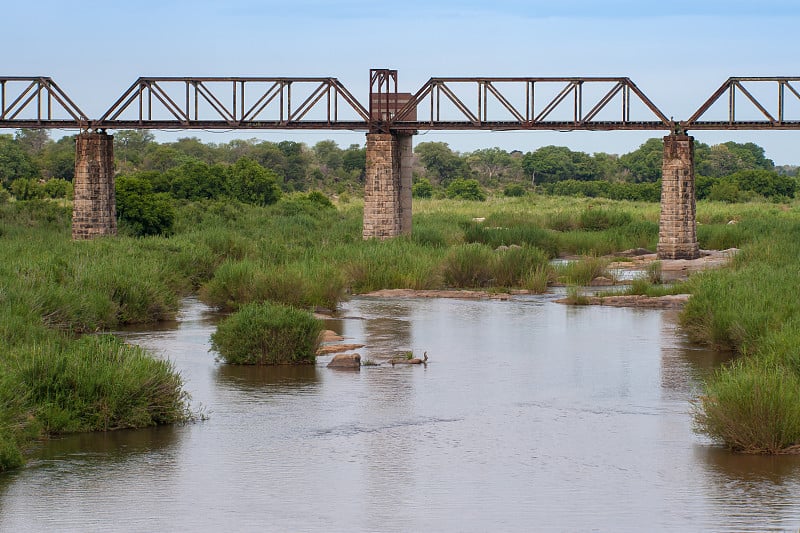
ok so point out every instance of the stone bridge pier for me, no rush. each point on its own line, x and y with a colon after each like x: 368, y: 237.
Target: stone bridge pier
x: 677, y: 230
x: 387, y: 191
x: 94, y: 211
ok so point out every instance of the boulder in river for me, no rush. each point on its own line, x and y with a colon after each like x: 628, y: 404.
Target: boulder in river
x: 351, y: 361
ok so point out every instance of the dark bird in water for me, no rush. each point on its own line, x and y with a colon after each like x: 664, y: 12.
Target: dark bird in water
x: 414, y: 361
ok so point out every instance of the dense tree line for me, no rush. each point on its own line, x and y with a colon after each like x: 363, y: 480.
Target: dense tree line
x: 32, y: 166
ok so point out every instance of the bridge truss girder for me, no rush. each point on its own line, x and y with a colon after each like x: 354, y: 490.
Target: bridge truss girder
x: 324, y: 103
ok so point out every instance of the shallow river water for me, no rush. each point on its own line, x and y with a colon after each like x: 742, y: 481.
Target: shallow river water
x: 530, y: 416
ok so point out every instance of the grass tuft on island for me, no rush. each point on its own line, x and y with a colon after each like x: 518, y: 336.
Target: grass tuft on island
x: 267, y: 334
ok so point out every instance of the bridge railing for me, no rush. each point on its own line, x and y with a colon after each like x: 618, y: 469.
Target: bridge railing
x: 236, y: 103
x: 37, y: 102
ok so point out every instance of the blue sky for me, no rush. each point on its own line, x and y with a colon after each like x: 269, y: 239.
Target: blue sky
x: 677, y: 52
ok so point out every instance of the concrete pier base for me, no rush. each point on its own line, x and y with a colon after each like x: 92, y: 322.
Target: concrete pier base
x: 387, y: 192
x: 677, y: 233
x: 94, y: 211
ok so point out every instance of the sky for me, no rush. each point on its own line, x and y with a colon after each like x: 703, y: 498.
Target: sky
x: 677, y: 52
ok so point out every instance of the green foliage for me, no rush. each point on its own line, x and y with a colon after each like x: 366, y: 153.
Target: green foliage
x: 57, y: 188
x: 422, y: 188
x: 724, y: 191
x: 441, y: 162
x: 251, y: 183
x: 15, y: 163
x: 196, y: 180
x: 644, y: 164
x: 514, y: 190
x: 645, y: 192
x: 267, y: 334
x: 26, y: 189
x: 312, y: 204
x: 466, y: 190
x: 141, y: 210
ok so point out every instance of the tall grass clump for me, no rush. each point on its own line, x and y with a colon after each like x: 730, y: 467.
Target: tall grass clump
x: 521, y: 235
x: 267, y: 334
x: 236, y: 283
x: 582, y: 271
x: 469, y: 265
x: 752, y: 407
x: 514, y: 265
x: 397, y: 264
x: 90, y: 384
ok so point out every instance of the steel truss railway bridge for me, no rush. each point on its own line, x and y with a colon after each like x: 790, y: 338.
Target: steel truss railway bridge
x: 390, y: 119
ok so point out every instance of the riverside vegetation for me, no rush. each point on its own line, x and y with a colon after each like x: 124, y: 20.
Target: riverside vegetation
x: 251, y: 242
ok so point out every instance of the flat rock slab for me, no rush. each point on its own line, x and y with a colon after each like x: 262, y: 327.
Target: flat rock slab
x: 444, y: 293
x: 337, y: 348
x: 672, y: 301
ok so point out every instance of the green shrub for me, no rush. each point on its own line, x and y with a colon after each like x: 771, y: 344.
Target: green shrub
x: 466, y: 190
x: 57, y: 188
x: 724, y: 191
x: 26, y: 189
x: 422, y: 188
x: 514, y: 190
x: 267, y: 334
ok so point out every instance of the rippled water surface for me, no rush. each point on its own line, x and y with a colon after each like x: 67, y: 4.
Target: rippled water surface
x: 530, y: 416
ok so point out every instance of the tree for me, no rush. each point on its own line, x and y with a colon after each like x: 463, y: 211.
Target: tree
x: 196, y: 180
x: 549, y: 163
x: 251, y: 183
x: 32, y: 141
x: 329, y: 155
x: 645, y: 163
x: 141, y: 210
x: 58, y: 159
x: 130, y: 146
x: 15, y: 163
x: 354, y: 161
x: 491, y: 163
x: 441, y: 162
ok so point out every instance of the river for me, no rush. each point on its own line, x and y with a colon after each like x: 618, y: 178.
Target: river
x: 530, y: 416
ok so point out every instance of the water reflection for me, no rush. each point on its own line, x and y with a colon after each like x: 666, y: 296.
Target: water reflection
x: 277, y: 379
x: 753, y: 492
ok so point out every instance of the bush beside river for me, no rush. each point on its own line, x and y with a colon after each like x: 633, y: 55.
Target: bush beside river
x: 55, y: 294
